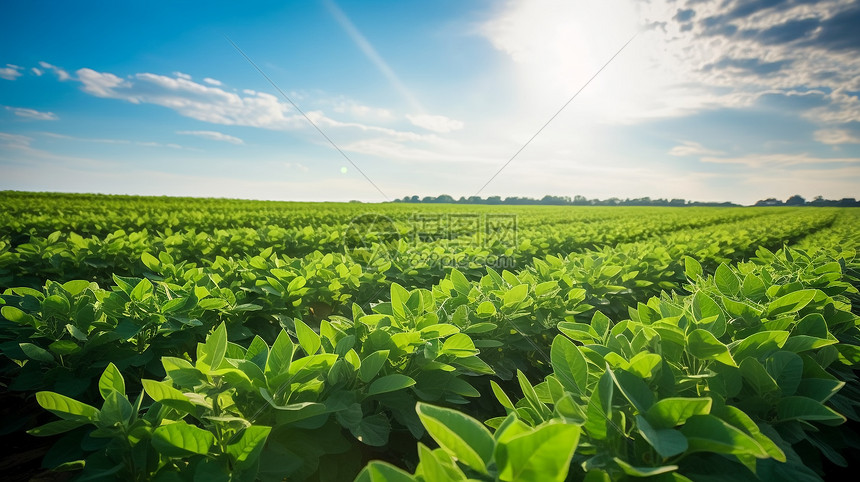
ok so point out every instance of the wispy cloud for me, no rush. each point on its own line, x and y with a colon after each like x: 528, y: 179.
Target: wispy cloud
x: 435, y: 123
x: 213, y: 136
x: 180, y: 75
x: 169, y: 145
x: 689, y: 148
x: 780, y: 160
x: 32, y: 113
x: 212, y: 81
x: 10, y: 72
x: 62, y: 75
x: 836, y: 136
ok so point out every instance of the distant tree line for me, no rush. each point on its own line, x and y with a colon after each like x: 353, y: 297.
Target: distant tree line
x: 819, y: 201
x: 558, y: 201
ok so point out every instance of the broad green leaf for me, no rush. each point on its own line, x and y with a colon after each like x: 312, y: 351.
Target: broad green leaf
x: 461, y: 284
x: 168, y: 396
x: 674, y: 411
x: 569, y: 365
x: 634, y: 389
x: 759, y: 344
x: 67, y: 408
x: 247, y: 448
x: 389, y: 383
x: 668, y: 442
x: 142, y: 291
x: 786, y: 368
x: 753, y: 288
x: 371, y: 365
x: 600, y: 408
x: 741, y: 420
x: 644, y: 471
x: 726, y: 281
x: 308, y: 338
x: 214, y: 349
x: 707, y: 433
x: 485, y: 309
x: 110, y: 381
x: 704, y: 345
x: 515, y: 295
x: 819, y: 389
x: 35, y: 352
x: 55, y: 427
x: 790, y: 303
x: 399, y: 296
x: 279, y: 360
x: 463, y: 437
x: 541, y: 455
x: 182, y: 440
x: 460, y: 345
x: 431, y: 467
x: 373, y: 430
x: 708, y: 314
x: 807, y: 409
x: 757, y: 377
x: 692, y: 268
x: 377, y: 471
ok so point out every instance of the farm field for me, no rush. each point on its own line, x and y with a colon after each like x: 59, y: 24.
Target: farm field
x: 153, y: 338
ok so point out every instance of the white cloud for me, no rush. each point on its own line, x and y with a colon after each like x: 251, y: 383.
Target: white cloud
x: 689, y: 148
x: 102, y: 84
x: 10, y: 72
x: 212, y: 81
x: 435, y: 123
x: 32, y: 113
x: 213, y: 136
x: 180, y: 75
x: 836, y: 136
x: 37, y: 72
x: 296, y: 165
x: 62, y: 75
x: 779, y: 160
x: 15, y: 140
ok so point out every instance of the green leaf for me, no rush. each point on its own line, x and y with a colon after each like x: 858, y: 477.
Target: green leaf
x: 634, y: 389
x: 703, y: 345
x: 569, y: 365
x: 111, y: 381
x: 757, y: 377
x: 214, y: 349
x: 54, y: 428
x: 726, y: 281
x: 142, y: 291
x: 371, y: 365
x: 151, y: 262
x: 486, y: 309
x: 168, y: 396
x: 461, y: 436
x: 692, y: 268
x: 182, y: 440
x: 643, y: 471
x: 389, y: 383
x: 790, y: 303
x: 807, y: 409
x: 741, y: 420
x: 247, y: 449
x: 707, y: 433
x: 540, y: 455
x: 37, y: 353
x: 64, y: 347
x: 515, y: 295
x: 461, y: 284
x: 459, y: 345
x: 759, y: 344
x: 279, y: 360
x: 67, y: 408
x: 308, y: 338
x: 376, y: 471
x: 753, y: 288
x: 399, y: 296
x: 674, y: 411
x: 668, y: 442
x: 373, y: 430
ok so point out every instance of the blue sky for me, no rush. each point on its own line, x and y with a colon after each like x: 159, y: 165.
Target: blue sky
x: 713, y: 100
